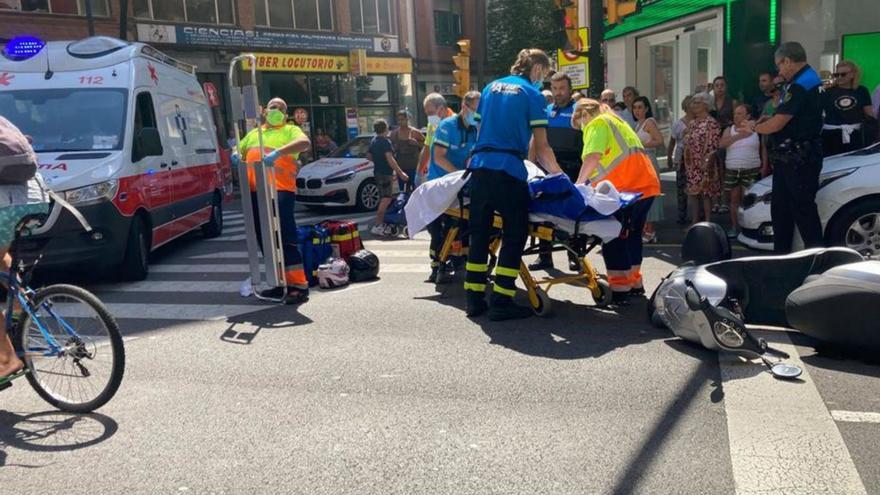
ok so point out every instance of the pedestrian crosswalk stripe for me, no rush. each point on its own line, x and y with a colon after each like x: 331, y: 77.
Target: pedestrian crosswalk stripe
x: 235, y: 268
x: 381, y: 253
x: 162, y: 311
x: 229, y: 238
x: 227, y: 255
x: 234, y: 230
x: 232, y: 215
x: 188, y: 286
x: 232, y: 223
x: 856, y: 417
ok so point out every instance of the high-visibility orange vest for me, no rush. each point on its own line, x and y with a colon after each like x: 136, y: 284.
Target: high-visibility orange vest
x: 285, y: 169
x: 622, y: 160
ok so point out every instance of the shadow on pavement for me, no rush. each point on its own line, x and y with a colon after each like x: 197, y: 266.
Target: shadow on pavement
x: 705, y: 356
x: 572, y: 331
x: 52, y: 431
x: 243, y: 329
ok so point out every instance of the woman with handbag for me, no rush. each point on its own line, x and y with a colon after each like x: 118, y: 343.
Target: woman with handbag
x: 700, y: 160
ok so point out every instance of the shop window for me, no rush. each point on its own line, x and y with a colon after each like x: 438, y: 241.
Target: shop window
x: 372, y: 89
x: 299, y: 14
x: 447, y: 22
x: 324, y: 89
x: 372, y: 16
x: 100, y: 8
x: 293, y: 89
x: 201, y: 11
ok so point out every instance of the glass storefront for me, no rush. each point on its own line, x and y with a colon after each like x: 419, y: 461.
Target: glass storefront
x: 322, y: 99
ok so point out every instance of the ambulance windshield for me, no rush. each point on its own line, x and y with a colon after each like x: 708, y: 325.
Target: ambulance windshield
x: 59, y: 120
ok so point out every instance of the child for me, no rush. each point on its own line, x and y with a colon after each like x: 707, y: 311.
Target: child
x: 385, y: 168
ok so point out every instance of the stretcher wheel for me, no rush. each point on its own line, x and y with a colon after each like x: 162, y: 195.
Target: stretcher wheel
x: 604, y: 297
x: 544, y: 304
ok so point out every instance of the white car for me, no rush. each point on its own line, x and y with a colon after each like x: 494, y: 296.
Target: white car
x: 344, y: 178
x: 848, y: 201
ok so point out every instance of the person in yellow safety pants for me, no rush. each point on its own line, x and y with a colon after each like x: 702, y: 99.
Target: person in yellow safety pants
x: 282, y: 144
x: 613, y: 152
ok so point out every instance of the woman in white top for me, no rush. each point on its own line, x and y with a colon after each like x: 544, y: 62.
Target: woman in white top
x: 649, y: 133
x: 745, y: 163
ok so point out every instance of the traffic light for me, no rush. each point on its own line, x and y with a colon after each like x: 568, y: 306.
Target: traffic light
x: 462, y: 72
x: 567, y: 22
x: 616, y: 10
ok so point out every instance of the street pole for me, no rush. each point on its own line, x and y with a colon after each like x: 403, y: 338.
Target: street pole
x: 90, y: 19
x: 597, y: 36
x: 123, y: 20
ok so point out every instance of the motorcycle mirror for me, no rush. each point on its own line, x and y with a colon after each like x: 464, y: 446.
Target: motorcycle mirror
x: 785, y: 371
x: 692, y: 299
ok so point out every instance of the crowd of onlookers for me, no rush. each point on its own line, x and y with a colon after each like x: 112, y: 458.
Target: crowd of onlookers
x: 714, y: 152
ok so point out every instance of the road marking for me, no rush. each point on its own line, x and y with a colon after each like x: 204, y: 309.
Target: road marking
x: 856, y: 417
x: 230, y: 238
x: 169, y: 268
x: 172, y: 287
x: 233, y: 223
x: 782, y: 437
x: 163, y: 311
x: 226, y: 255
x: 234, y: 230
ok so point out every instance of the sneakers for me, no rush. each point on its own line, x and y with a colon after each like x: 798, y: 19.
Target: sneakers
x: 291, y: 296
x: 545, y: 262
x: 649, y: 237
x: 378, y: 229
x: 732, y: 233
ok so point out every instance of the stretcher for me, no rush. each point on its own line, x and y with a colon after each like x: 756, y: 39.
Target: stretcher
x: 574, y: 237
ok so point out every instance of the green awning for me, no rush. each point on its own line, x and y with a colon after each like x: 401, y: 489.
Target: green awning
x: 655, y: 12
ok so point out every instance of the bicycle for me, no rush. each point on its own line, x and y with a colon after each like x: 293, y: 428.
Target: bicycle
x: 65, y: 336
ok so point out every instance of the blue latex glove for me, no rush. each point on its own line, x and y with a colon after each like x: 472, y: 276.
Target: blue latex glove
x: 236, y: 160
x: 272, y: 157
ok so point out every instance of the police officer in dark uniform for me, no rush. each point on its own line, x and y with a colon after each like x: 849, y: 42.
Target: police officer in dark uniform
x: 511, y: 114
x: 567, y: 144
x: 795, y: 150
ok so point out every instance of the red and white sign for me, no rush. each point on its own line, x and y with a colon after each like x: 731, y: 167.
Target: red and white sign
x: 212, y: 94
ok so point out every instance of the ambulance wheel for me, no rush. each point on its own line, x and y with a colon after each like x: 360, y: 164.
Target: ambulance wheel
x: 136, y: 263
x: 214, y: 227
x: 544, y: 304
x: 368, y: 195
x: 604, y: 297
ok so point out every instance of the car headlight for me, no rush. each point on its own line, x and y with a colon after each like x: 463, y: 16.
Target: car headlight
x: 339, y: 178
x: 829, y: 177
x: 92, y: 194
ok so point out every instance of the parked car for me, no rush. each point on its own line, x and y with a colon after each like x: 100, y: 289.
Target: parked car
x: 124, y: 133
x: 344, y: 178
x: 848, y: 201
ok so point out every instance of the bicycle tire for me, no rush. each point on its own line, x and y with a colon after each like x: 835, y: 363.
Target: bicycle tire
x: 115, y: 342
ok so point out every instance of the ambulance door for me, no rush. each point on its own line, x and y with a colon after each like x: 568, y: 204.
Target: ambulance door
x: 196, y: 177
x: 150, y: 181
x: 172, y: 115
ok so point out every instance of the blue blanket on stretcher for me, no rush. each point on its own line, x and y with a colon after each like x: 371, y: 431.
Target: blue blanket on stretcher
x: 557, y: 196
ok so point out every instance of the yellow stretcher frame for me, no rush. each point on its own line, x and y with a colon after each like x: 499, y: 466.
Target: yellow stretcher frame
x: 537, y: 289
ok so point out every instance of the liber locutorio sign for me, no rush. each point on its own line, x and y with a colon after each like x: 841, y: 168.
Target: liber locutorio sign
x: 297, y: 62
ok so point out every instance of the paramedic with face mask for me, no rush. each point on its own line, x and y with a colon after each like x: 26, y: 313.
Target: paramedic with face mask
x: 450, y: 151
x: 511, y: 112
x: 282, y: 144
x: 436, y: 110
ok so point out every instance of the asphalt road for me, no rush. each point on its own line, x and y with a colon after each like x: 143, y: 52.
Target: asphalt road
x: 385, y: 387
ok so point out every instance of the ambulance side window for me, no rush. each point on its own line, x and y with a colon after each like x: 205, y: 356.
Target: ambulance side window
x: 146, y: 140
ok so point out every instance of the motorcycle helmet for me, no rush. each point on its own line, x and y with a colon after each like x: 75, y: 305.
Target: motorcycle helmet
x: 364, y: 266
x: 333, y: 273
x: 705, y: 242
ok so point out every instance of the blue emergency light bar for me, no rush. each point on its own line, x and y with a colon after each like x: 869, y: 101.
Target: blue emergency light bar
x: 23, y: 48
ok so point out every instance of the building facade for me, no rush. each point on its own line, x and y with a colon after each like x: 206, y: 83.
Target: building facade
x: 439, y: 24
x: 309, y: 52
x: 670, y: 48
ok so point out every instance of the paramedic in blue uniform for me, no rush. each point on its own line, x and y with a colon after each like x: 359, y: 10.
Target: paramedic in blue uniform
x: 451, y: 148
x: 795, y: 150
x: 567, y: 144
x: 511, y: 112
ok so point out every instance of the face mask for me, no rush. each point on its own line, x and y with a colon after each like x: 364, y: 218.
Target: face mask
x: 275, y: 117
x: 433, y: 120
x: 471, y: 119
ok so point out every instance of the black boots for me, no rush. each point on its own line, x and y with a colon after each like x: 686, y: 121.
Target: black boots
x: 503, y: 308
x: 545, y: 262
x: 476, y: 304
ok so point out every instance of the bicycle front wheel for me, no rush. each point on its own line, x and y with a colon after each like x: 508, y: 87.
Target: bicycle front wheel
x: 73, y: 349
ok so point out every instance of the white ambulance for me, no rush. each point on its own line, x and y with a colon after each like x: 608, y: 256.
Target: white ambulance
x: 127, y: 135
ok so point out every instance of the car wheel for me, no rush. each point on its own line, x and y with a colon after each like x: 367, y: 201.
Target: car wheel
x: 136, y: 264
x: 214, y: 227
x: 368, y: 195
x: 858, y: 228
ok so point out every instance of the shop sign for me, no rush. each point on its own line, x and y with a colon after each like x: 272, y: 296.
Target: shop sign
x: 305, y: 62
x: 386, y: 65
x: 299, y: 62
x: 258, y: 38
x: 575, y: 63
x: 357, y: 61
